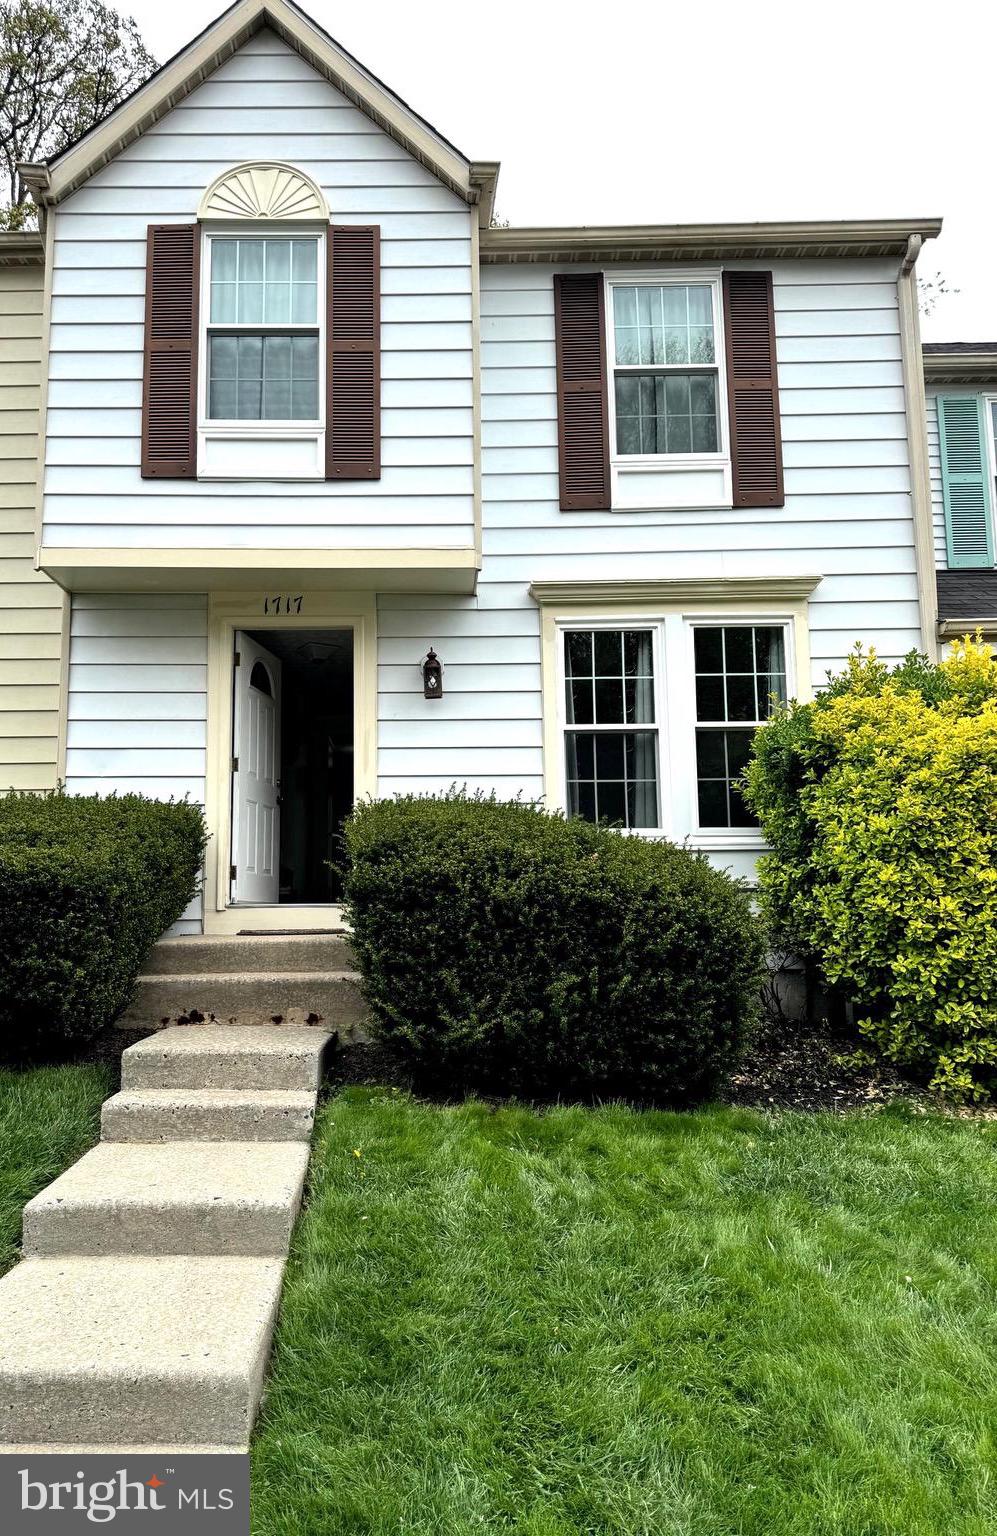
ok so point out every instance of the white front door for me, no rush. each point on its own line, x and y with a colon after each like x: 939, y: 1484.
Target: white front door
x: 256, y: 774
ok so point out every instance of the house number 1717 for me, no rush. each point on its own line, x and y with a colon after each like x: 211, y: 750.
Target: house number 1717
x: 281, y: 603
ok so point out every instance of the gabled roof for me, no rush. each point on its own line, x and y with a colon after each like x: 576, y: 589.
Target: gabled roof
x: 960, y: 362
x: 64, y: 172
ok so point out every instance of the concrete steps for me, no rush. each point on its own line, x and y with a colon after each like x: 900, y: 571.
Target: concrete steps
x: 225, y: 1056
x: 332, y: 998
x: 204, y: 954
x: 142, y: 1310
x: 175, y: 1197
x: 209, y: 1114
x: 129, y: 1351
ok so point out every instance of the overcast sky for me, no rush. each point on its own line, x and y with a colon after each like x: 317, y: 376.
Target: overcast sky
x: 669, y: 114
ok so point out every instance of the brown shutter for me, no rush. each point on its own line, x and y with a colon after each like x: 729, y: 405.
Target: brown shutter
x: 753, y: 389
x: 582, y: 391
x: 353, y: 362
x: 169, y: 391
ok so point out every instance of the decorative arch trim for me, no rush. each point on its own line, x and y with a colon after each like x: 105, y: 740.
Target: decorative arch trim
x: 263, y: 189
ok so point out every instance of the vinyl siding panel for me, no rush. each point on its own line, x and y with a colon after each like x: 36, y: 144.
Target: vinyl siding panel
x: 31, y: 606
x: 847, y: 519
x: 263, y: 103
x: 137, y: 709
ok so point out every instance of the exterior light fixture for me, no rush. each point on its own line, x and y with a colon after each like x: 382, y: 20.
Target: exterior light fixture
x: 432, y: 675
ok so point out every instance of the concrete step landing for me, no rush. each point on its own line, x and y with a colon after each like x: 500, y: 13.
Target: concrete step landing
x: 208, y: 954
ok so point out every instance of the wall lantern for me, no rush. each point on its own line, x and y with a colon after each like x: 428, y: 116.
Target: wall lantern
x: 432, y: 675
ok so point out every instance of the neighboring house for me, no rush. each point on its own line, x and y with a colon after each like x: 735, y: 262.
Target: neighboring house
x: 310, y: 417
x: 961, y: 384
x: 32, y: 607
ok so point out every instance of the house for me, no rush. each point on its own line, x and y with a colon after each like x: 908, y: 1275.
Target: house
x: 961, y: 387
x: 309, y: 419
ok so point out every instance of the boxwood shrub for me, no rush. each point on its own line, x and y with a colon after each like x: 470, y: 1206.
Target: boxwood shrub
x: 86, y: 886
x: 510, y: 949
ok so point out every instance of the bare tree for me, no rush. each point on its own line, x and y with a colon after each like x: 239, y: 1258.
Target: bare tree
x: 930, y: 290
x: 63, y: 66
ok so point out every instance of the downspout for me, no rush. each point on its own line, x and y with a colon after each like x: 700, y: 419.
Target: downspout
x: 915, y: 404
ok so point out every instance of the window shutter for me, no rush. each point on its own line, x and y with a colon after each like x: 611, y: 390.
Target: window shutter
x: 753, y: 390
x: 353, y: 363
x: 582, y: 391
x: 962, y: 447
x: 169, y: 391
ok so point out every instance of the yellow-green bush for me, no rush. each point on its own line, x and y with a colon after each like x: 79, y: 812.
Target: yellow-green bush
x: 880, y: 802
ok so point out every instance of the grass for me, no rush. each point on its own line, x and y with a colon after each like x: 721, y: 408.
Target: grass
x: 49, y: 1116
x: 645, y: 1324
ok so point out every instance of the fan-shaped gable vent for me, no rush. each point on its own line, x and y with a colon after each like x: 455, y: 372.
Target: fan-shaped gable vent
x: 263, y: 190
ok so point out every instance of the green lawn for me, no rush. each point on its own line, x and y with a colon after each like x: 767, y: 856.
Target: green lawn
x: 718, y: 1324
x: 49, y: 1116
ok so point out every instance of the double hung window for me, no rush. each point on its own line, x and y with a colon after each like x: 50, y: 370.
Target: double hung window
x: 665, y: 368
x: 264, y: 331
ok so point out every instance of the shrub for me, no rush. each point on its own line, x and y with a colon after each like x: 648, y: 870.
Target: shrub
x: 86, y: 887
x: 880, y: 802
x: 508, y: 948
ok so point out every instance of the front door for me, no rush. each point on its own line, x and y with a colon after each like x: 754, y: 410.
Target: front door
x: 256, y: 774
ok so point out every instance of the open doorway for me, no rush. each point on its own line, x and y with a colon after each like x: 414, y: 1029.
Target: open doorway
x: 293, y: 770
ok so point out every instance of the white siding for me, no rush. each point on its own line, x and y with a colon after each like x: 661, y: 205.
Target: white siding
x: 263, y: 103
x: 847, y: 518
x: 138, y: 699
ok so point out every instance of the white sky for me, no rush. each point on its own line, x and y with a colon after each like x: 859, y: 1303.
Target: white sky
x: 866, y: 108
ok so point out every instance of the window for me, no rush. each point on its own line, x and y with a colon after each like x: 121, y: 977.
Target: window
x: 739, y: 670
x: 264, y: 330
x: 666, y: 373
x: 611, y: 740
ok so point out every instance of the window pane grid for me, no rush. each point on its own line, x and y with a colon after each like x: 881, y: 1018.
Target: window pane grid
x: 264, y: 282
x: 262, y: 378
x: 611, y: 767
x: 739, y: 669
x: 665, y: 383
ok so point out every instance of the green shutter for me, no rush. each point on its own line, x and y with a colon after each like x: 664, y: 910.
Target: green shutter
x: 962, y: 445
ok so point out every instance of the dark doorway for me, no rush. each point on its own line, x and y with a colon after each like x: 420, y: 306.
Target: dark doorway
x: 316, y: 756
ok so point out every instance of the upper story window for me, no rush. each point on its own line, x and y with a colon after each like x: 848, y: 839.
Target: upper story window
x: 665, y: 370
x: 264, y: 329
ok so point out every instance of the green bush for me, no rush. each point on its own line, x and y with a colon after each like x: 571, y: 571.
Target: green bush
x: 86, y: 887
x: 879, y: 799
x: 506, y: 948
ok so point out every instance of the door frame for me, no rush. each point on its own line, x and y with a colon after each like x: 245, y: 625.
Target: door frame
x: 259, y: 610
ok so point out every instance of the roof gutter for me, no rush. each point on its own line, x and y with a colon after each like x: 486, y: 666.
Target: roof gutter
x: 663, y: 242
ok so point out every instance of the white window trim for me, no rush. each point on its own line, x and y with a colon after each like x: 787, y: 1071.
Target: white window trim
x: 675, y: 698
x: 685, y: 703
x: 657, y: 725
x: 240, y: 430
x: 643, y: 463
